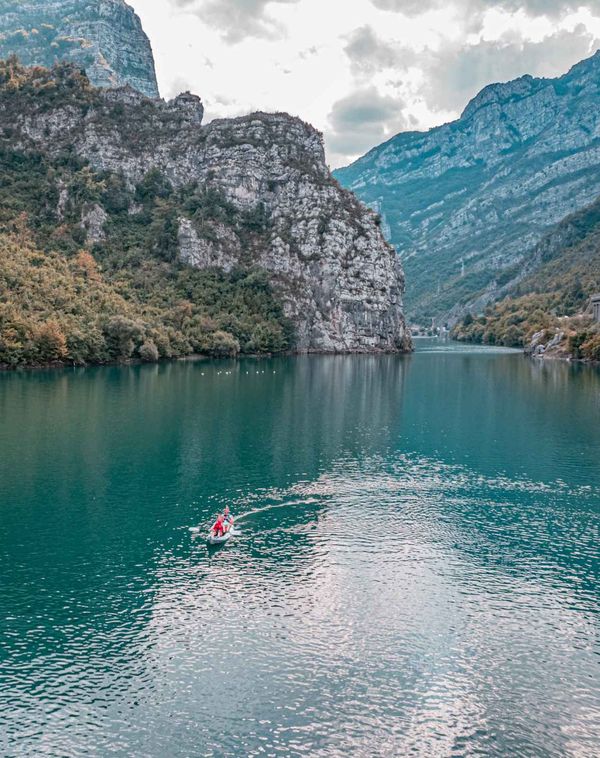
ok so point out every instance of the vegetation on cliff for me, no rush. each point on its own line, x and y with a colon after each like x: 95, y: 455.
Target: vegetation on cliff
x: 240, y: 218
x: 89, y: 268
x: 106, y: 39
x: 553, y: 298
x: 515, y: 322
x: 58, y: 307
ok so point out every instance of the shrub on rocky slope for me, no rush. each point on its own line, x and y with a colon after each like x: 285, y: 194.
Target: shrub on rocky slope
x: 64, y: 308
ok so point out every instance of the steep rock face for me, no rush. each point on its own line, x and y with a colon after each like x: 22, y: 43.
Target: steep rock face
x: 467, y: 202
x: 340, y: 282
x: 105, y: 37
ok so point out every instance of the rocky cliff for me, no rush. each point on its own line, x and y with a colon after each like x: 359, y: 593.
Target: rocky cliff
x: 466, y: 203
x: 235, y: 194
x: 105, y: 37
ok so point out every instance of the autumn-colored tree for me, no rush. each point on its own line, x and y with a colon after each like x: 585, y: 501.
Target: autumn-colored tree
x: 50, y: 342
x: 181, y: 313
x: 86, y: 263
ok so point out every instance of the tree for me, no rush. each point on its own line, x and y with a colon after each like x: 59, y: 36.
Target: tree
x: 164, y: 231
x: 153, y: 186
x: 149, y: 352
x: 50, y: 342
x: 122, y: 335
x: 86, y: 263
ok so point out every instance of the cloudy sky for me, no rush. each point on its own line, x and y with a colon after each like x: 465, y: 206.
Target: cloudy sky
x: 360, y: 70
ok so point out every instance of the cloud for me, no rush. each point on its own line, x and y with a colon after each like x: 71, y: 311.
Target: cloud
x: 369, y: 54
x: 361, y: 70
x: 308, y: 53
x: 442, y: 80
x: 361, y: 120
x: 178, y: 85
x: 237, y: 19
x: 552, y: 8
x: 456, y: 73
x: 407, y: 7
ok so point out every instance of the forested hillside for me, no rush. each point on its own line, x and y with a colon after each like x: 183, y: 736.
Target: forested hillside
x: 82, y: 279
x: 226, y: 238
x: 553, y: 297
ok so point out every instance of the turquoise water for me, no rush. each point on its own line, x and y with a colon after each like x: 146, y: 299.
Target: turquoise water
x: 416, y: 570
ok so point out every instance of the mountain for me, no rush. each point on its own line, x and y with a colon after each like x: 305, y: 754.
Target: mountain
x: 221, y: 238
x: 105, y: 37
x: 466, y: 203
x: 548, y: 309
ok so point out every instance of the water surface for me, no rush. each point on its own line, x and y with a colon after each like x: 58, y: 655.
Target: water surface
x: 417, y: 571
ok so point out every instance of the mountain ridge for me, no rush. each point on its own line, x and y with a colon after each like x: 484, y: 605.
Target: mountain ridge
x: 547, y: 310
x: 468, y: 200
x: 105, y: 37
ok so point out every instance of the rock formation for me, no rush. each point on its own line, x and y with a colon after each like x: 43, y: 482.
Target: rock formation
x: 105, y: 37
x: 466, y: 203
x: 271, y: 201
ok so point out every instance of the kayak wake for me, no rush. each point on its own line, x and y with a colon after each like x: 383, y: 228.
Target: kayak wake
x: 195, y: 530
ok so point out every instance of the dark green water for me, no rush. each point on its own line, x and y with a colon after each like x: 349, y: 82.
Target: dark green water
x: 417, y: 571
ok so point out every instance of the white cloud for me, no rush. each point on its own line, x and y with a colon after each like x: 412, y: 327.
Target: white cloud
x: 360, y: 70
x: 455, y: 75
x: 361, y: 120
x: 369, y: 54
x: 237, y: 19
x: 531, y: 7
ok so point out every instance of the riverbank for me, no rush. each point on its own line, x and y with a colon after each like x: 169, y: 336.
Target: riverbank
x: 192, y: 358
x: 575, y: 338
x: 540, y: 334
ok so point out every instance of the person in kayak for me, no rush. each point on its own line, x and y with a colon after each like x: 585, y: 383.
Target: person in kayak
x: 218, y: 528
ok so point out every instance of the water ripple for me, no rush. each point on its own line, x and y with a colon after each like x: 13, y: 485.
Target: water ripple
x: 391, y: 603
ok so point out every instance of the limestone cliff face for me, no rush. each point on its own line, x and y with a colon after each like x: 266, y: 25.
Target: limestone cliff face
x: 340, y: 282
x: 466, y: 203
x: 105, y: 37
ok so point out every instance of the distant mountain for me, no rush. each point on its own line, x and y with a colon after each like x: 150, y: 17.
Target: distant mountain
x: 567, y: 260
x: 466, y: 203
x: 548, y: 310
x: 105, y: 37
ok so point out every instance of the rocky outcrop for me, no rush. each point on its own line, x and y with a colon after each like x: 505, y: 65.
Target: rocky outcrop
x: 259, y: 193
x: 93, y: 219
x: 466, y: 203
x: 222, y: 251
x: 105, y: 37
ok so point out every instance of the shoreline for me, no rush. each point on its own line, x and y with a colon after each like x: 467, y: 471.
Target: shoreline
x: 5, y: 368
x: 528, y: 353
x: 562, y: 358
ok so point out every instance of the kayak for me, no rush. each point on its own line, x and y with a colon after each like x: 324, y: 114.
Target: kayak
x: 212, y: 540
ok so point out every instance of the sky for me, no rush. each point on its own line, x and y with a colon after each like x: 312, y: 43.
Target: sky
x: 360, y: 70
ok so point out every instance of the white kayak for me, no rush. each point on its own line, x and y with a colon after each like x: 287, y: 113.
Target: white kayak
x: 212, y: 540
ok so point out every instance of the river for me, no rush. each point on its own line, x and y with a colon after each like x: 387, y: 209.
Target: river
x: 416, y: 571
